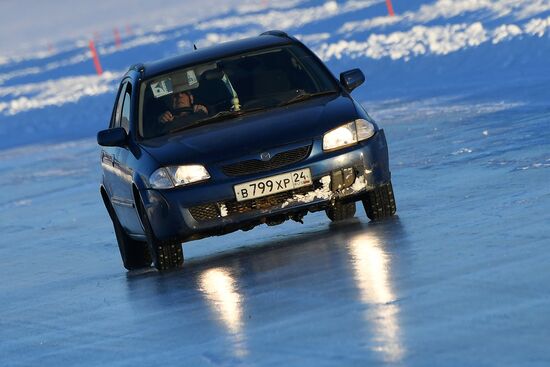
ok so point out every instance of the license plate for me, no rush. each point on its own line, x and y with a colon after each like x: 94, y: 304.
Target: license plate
x: 272, y: 185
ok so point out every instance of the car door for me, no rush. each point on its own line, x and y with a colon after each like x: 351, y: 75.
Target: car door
x: 123, y: 165
x: 108, y: 154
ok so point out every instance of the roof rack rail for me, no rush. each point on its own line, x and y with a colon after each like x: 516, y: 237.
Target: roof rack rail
x: 275, y: 32
x: 137, y: 67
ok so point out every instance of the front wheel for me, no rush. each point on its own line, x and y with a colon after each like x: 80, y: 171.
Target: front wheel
x: 380, y: 202
x: 166, y: 255
x: 134, y: 254
x: 339, y: 211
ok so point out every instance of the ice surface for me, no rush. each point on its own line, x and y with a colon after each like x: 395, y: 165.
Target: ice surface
x: 459, y: 278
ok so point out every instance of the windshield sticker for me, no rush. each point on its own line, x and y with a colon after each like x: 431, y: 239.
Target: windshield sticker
x: 191, y: 78
x: 162, y: 88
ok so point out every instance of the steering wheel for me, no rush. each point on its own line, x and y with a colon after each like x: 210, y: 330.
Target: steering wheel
x: 187, y: 110
x: 179, y: 111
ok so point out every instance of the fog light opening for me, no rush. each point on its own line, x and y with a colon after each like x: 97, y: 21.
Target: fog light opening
x: 342, y: 179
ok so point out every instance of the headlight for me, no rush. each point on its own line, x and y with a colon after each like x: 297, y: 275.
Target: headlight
x: 168, y: 177
x: 340, y: 137
x: 348, y: 134
x: 160, y: 179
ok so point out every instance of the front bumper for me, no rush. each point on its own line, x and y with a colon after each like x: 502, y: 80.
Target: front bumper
x: 210, y: 208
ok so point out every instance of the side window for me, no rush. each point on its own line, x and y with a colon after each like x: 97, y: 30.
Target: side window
x: 115, y: 119
x: 126, y: 107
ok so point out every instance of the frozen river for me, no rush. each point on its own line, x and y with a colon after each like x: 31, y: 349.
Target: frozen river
x: 460, y: 277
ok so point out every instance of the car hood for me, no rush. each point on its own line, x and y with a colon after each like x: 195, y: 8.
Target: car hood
x: 253, y: 133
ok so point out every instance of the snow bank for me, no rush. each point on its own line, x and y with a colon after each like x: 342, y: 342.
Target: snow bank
x: 446, y: 9
x: 255, y: 7
x: 56, y: 92
x: 136, y: 42
x: 76, y: 59
x: 435, y: 40
x: 31, y: 56
x: 287, y: 19
x: 213, y: 38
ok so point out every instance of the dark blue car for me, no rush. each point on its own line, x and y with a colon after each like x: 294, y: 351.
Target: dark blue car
x: 229, y: 137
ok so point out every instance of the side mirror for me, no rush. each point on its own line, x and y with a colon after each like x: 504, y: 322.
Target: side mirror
x: 115, y: 137
x: 351, y: 79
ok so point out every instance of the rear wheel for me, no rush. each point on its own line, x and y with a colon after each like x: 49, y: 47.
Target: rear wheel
x: 134, y: 254
x: 339, y: 211
x: 380, y: 202
x: 166, y: 255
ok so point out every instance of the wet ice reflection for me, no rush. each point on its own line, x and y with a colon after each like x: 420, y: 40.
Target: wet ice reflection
x: 371, y: 268
x: 219, y: 287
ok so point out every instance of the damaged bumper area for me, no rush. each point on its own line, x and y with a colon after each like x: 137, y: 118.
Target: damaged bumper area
x: 212, y: 209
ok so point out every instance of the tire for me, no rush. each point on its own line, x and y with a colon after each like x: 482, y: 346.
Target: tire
x: 166, y: 255
x: 340, y: 211
x: 380, y: 202
x: 134, y: 254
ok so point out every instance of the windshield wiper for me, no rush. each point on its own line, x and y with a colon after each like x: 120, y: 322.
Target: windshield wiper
x: 304, y: 96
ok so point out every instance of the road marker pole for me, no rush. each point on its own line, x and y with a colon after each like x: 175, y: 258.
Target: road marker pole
x: 118, y: 41
x: 390, y: 8
x: 95, y: 57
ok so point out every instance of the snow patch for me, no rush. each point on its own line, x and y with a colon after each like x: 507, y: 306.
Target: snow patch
x: 506, y: 32
x: 223, y: 210
x: 23, y: 202
x: 537, y: 27
x: 58, y: 172
x: 463, y: 151
x: 359, y: 184
x: 49, y: 66
x: 258, y: 6
x: 439, y: 40
x: 323, y: 192
x: 214, y: 38
x: 36, y: 55
x: 447, y: 9
x: 287, y: 19
x: 56, y: 92
x: 313, y: 38
x: 136, y: 42
x: 17, y: 73
x: 436, y: 40
x: 545, y: 164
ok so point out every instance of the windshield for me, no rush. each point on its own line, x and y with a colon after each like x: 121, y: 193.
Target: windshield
x: 226, y: 88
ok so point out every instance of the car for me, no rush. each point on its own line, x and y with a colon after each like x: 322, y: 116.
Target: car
x: 225, y: 138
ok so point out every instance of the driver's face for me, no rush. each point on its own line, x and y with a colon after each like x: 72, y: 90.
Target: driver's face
x: 181, y: 100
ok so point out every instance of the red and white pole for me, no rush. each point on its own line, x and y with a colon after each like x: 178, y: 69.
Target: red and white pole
x: 390, y: 8
x: 95, y: 57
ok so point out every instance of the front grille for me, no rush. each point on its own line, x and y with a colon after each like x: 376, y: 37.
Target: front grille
x: 210, y: 211
x: 255, y: 165
x: 205, y: 212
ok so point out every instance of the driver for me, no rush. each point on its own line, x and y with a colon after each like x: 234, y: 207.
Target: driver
x: 182, y: 105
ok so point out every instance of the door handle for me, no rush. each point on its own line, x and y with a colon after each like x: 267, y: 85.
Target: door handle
x: 107, y: 158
